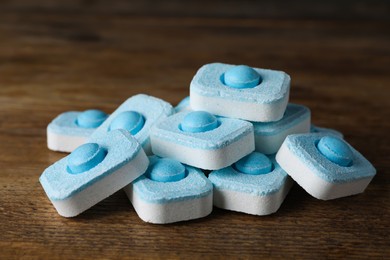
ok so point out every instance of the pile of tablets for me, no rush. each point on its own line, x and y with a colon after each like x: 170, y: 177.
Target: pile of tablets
x: 234, y: 143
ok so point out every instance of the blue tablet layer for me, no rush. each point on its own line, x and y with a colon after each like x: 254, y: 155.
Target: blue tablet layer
x: 209, y: 81
x: 294, y: 115
x: 335, y: 150
x: 199, y: 121
x: 228, y: 131
x: 194, y: 185
x: 259, y: 185
x: 255, y: 163
x: 150, y: 108
x: 92, y: 118
x: 183, y: 105
x: 304, y: 146
x: 66, y: 124
x: 60, y: 182
x: 323, y: 130
x: 241, y: 76
x: 166, y: 170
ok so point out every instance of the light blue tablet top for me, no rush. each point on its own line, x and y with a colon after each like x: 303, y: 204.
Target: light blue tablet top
x: 305, y: 147
x: 140, y: 112
x: 209, y: 81
x: 228, y: 131
x: 75, y: 123
x: 262, y: 184
x: 88, y: 164
x: 192, y: 185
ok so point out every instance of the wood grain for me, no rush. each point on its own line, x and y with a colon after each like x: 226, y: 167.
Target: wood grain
x: 75, y: 55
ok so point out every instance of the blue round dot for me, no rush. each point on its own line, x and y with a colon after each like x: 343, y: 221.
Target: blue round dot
x: 166, y: 170
x: 241, y: 76
x: 131, y: 121
x: 91, y: 118
x: 335, y: 150
x: 199, y: 121
x: 85, y: 157
x: 254, y: 164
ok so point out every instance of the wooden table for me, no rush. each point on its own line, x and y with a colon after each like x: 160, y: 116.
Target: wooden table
x: 75, y: 55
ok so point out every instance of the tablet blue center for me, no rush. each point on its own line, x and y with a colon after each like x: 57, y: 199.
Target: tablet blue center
x: 254, y: 164
x: 131, y: 121
x: 85, y: 157
x: 241, y: 76
x: 199, y: 121
x: 91, y: 118
x: 335, y: 150
x: 166, y: 170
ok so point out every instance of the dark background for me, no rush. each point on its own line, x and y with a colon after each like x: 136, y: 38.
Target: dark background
x: 58, y: 56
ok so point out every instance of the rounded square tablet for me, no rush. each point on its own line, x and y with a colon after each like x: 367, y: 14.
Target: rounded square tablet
x: 262, y: 192
x: 265, y: 102
x: 93, y: 172
x: 64, y: 134
x: 173, y: 198
x: 137, y: 114
x: 210, y: 150
x: 270, y: 136
x: 329, y: 171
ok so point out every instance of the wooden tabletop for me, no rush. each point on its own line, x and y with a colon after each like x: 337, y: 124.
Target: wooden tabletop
x: 58, y: 56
